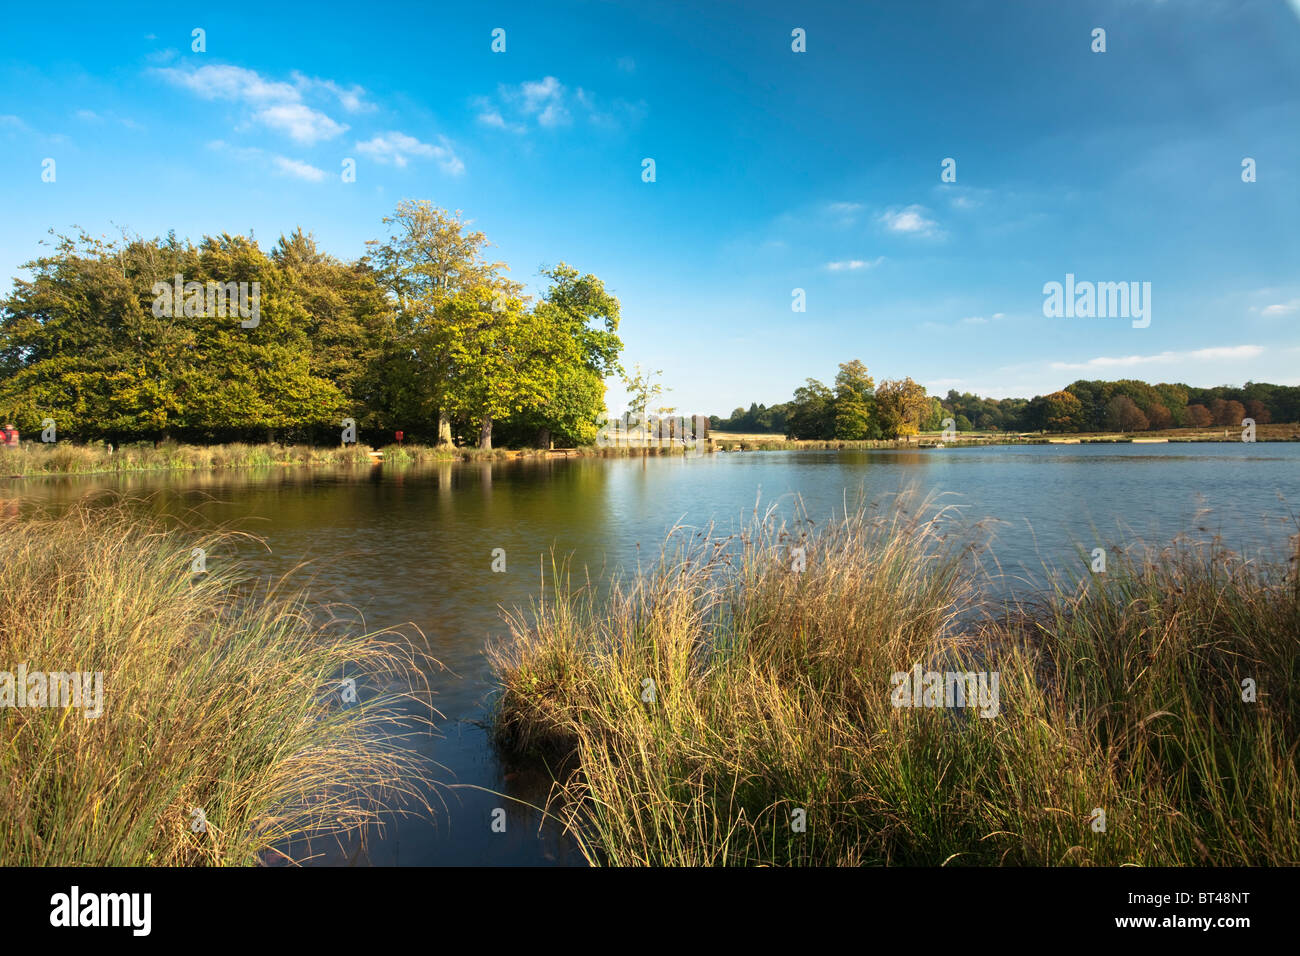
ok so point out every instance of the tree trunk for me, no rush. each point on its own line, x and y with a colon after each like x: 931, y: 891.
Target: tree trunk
x: 444, y: 430
x: 543, y: 439
x: 485, y: 434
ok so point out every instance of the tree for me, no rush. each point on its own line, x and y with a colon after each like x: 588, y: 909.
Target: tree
x: 901, y: 406
x: 91, y: 343
x: 855, y: 403
x: 1122, y: 414
x: 642, y: 389
x: 1159, y: 417
x: 1198, y: 416
x: 1227, y: 412
x: 430, y: 257
x: 1059, y: 412
x: 80, y: 344
x: 812, y: 412
x: 257, y: 380
x: 499, y: 350
x: 349, y: 322
x: 1259, y: 412
x: 581, y: 321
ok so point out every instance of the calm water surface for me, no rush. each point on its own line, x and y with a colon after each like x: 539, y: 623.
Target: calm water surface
x: 416, y: 547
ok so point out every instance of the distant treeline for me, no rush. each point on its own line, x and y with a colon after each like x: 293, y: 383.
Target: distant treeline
x: 896, y: 408
x: 222, y: 341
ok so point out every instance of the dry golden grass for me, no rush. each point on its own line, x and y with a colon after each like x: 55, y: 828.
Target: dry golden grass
x: 219, y: 693
x: 772, y: 694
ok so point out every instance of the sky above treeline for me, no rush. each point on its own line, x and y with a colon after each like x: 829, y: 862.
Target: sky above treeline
x: 774, y: 170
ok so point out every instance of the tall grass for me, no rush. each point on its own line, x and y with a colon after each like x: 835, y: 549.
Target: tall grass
x: 64, y: 458
x: 36, y: 458
x: 772, y: 695
x: 220, y: 694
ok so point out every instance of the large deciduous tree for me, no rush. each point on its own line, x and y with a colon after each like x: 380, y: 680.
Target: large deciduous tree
x: 430, y: 257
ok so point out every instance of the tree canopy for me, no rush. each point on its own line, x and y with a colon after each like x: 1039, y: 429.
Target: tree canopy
x: 219, y: 340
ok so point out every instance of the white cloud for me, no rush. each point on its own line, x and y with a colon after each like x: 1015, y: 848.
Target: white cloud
x: 298, y: 169
x: 1230, y: 353
x: 491, y: 116
x: 395, y: 147
x: 852, y: 265
x: 1281, y: 308
x: 283, y: 164
x: 351, y: 98
x: 224, y: 82
x: 548, y: 103
x: 276, y: 104
x: 300, y: 123
x: 975, y: 320
x: 910, y: 220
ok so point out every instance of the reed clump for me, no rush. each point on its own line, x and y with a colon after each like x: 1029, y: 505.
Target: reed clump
x: 726, y: 708
x: 226, y: 731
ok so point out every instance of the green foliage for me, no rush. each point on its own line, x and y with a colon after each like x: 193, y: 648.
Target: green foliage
x: 421, y: 334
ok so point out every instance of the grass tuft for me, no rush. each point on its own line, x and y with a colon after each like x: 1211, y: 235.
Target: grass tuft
x: 772, y: 694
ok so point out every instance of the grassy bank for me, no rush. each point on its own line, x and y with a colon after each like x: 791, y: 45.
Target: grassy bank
x: 218, y: 694
x: 772, y: 694
x: 66, y: 458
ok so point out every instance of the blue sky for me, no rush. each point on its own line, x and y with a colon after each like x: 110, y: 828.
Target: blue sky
x: 775, y: 170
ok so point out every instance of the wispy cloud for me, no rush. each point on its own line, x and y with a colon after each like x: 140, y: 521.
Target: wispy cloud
x: 844, y: 213
x: 294, y: 168
x: 351, y: 98
x: 549, y: 104
x: 275, y: 104
x: 298, y: 169
x: 90, y: 116
x: 300, y: 123
x: 909, y: 220
x: 965, y: 322
x: 492, y: 117
x: 853, y: 265
x: 398, y: 148
x: 1229, y: 353
x: 1281, y: 308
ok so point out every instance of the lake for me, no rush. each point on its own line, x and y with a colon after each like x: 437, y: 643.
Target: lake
x: 417, y: 546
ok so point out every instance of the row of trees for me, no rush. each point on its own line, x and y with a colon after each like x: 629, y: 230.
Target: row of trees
x: 1130, y: 405
x: 422, y: 334
x: 853, y: 408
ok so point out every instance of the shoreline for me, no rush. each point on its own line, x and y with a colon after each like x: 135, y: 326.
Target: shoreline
x: 33, y: 460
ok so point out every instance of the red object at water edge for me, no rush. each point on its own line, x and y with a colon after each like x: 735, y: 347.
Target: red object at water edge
x: 399, y: 436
